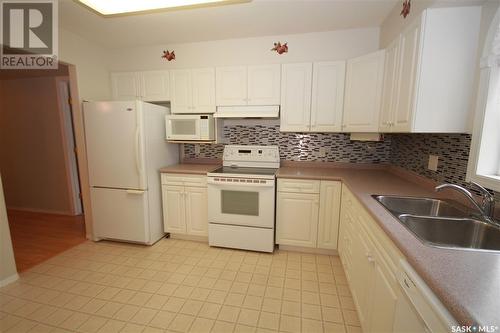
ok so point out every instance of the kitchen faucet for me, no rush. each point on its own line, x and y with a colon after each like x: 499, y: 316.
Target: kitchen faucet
x: 487, y: 206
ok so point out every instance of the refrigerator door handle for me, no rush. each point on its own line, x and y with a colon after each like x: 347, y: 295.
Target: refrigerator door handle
x: 137, y: 152
x: 138, y: 192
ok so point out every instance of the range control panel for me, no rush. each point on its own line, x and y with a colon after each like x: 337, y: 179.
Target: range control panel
x: 263, y: 156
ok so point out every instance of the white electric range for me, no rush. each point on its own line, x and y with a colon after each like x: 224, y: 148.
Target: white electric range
x: 241, y: 198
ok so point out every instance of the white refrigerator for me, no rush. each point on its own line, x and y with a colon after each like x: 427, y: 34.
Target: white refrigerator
x: 126, y: 147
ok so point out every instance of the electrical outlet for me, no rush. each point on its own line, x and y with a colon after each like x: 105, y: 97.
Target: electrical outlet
x: 197, y: 149
x: 322, y: 151
x: 433, y: 162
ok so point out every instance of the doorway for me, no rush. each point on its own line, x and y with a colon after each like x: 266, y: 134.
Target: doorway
x: 38, y: 164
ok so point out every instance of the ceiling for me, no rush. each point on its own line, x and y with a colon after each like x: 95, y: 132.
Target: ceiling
x: 250, y: 19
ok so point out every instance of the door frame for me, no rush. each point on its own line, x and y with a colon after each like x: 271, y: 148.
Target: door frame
x: 81, y: 150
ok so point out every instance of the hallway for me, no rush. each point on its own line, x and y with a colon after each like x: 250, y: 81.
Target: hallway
x: 37, y: 237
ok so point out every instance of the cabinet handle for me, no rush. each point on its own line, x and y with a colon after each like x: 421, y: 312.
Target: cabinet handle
x: 370, y: 257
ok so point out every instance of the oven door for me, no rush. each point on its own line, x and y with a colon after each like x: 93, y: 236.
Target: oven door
x: 234, y: 203
x: 183, y: 127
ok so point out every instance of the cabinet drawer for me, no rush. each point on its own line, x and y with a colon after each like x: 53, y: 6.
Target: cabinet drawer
x: 183, y: 180
x: 298, y: 185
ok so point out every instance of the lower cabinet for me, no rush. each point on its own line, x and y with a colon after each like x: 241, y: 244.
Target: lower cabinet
x: 307, y: 213
x: 185, y: 204
x: 372, y: 266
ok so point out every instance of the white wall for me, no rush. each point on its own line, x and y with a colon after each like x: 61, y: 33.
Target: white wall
x: 332, y: 45
x: 8, y: 271
x: 91, y: 61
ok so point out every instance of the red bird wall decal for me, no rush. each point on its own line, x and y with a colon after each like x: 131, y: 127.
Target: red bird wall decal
x: 406, y: 8
x: 168, y: 55
x: 280, y: 48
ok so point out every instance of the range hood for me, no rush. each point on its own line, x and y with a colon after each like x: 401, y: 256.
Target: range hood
x: 248, y: 111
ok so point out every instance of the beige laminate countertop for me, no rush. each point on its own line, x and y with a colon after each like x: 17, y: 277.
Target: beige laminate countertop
x: 466, y: 282
x: 190, y: 168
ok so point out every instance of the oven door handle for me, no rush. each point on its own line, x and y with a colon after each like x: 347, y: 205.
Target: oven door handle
x: 211, y: 181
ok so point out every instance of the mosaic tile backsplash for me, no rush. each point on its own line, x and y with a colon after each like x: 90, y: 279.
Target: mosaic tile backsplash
x: 299, y: 146
x: 409, y: 151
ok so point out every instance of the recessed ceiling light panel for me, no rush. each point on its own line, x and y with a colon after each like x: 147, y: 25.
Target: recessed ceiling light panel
x: 116, y: 7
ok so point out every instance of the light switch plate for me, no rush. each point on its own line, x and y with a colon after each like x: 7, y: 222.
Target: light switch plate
x: 322, y: 151
x: 433, y: 162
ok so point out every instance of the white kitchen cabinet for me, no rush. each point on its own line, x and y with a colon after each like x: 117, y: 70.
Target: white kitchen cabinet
x: 155, y: 86
x: 185, y: 204
x: 329, y: 214
x: 231, y: 85
x: 389, y: 87
x: 308, y: 213
x: 363, y: 93
x: 264, y: 84
x: 193, y: 90
x: 248, y: 85
x: 435, y: 69
x: 297, y: 219
x: 196, y: 199
x: 174, y: 209
x: 372, y: 266
x: 125, y: 85
x: 327, y: 103
x: 149, y: 86
x: 296, y: 97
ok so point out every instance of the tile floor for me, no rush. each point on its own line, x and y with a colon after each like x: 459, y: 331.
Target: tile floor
x: 179, y: 286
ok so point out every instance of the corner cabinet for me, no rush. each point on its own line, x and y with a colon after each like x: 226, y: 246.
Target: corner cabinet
x: 149, y: 86
x: 429, y: 72
x: 312, y: 96
x: 192, y: 90
x: 185, y: 204
x: 308, y: 213
x: 248, y: 85
x: 363, y: 93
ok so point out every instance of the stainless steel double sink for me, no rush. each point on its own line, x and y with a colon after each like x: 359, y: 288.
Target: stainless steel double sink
x: 441, y: 223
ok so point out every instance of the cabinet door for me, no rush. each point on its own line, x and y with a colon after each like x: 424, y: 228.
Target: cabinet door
x: 390, y: 84
x: 297, y: 219
x: 296, y: 97
x: 231, y: 85
x: 155, y: 86
x: 329, y: 214
x: 327, y: 96
x: 363, y: 268
x: 174, y: 219
x: 181, y: 91
x: 203, y: 82
x: 264, y: 84
x: 363, y: 93
x: 196, y: 211
x: 384, y: 298
x: 406, y: 317
x: 125, y: 86
x: 408, y: 60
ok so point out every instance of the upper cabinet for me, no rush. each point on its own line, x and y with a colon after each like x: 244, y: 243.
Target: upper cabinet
x: 149, y: 86
x: 192, y: 90
x: 429, y: 73
x: 363, y: 93
x: 296, y: 97
x: 248, y: 85
x: 312, y: 96
x: 327, y: 103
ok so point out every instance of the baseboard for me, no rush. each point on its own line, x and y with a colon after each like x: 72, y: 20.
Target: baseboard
x: 203, y: 239
x: 9, y: 280
x: 308, y: 250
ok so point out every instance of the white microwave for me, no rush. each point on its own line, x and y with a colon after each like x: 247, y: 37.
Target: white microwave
x: 192, y: 127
